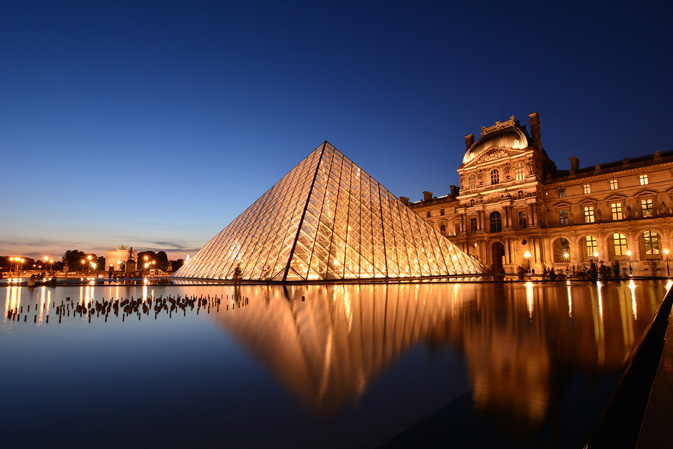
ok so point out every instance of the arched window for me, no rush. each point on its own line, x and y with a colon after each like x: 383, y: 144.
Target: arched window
x: 442, y: 229
x: 591, y: 246
x: 495, y: 176
x: 496, y: 222
x: 519, y: 171
x: 562, y: 250
x: 619, y: 244
x: 472, y: 182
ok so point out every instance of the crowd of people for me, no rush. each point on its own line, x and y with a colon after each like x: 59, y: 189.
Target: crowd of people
x: 591, y: 271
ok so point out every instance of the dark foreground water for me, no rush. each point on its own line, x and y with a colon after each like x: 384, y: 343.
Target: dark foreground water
x: 317, y: 366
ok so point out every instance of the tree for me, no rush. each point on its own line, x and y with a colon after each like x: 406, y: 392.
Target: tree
x: 162, y: 260
x: 73, y: 259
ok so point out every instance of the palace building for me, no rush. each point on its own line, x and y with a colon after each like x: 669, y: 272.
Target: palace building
x: 515, y: 208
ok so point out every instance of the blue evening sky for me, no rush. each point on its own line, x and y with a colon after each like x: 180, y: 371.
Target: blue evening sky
x: 155, y: 123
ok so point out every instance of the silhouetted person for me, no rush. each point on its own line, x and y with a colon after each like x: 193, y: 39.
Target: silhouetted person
x: 593, y: 272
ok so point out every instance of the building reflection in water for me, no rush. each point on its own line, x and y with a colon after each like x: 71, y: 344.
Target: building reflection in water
x: 522, y: 343
x: 524, y: 347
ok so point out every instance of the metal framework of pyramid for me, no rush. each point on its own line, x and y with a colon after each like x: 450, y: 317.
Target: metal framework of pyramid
x: 328, y: 220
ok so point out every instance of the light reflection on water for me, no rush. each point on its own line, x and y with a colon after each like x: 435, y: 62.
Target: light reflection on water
x: 309, y: 366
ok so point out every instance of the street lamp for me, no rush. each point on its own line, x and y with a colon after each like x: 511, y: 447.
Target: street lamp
x: 50, y: 262
x: 526, y: 255
x: 668, y: 269
x: 628, y: 254
x: 18, y: 261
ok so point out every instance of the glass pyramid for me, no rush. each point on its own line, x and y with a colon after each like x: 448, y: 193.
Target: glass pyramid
x: 328, y: 220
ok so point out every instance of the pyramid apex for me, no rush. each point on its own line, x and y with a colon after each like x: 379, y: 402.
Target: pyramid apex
x: 328, y: 220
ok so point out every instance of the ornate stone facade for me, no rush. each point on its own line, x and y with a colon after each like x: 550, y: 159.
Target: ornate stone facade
x: 115, y: 260
x: 515, y: 208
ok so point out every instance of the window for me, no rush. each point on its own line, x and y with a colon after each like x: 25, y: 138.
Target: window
x: 614, y: 185
x: 589, y: 214
x: 473, y: 225
x: 522, y: 219
x: 619, y: 241
x: 496, y: 222
x: 495, y: 176
x: 441, y: 211
x: 617, y: 211
x: 563, y: 217
x: 586, y: 188
x: 472, y: 182
x: 520, y: 193
x: 561, y: 250
x: 644, y: 180
x: 651, y: 241
x: 472, y: 202
x: 561, y: 193
x: 591, y: 245
x: 442, y: 229
x: 519, y: 173
x: 648, y: 207
x: 428, y: 214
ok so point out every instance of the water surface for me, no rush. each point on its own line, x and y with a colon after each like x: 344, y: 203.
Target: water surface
x: 314, y: 366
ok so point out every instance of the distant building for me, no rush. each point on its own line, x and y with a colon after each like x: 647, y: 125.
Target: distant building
x: 115, y: 260
x: 515, y: 208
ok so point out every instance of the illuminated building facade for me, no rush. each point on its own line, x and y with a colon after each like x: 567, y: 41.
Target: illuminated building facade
x: 515, y: 208
x: 328, y: 220
x: 116, y: 259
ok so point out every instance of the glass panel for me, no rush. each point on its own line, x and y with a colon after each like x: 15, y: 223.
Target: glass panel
x: 352, y: 227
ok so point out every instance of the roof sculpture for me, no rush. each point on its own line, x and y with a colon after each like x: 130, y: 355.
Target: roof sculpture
x: 328, y: 220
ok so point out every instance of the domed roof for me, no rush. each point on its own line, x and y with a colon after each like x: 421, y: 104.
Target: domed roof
x: 511, y: 137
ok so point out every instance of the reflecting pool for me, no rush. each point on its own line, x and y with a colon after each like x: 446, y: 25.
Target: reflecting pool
x: 524, y: 365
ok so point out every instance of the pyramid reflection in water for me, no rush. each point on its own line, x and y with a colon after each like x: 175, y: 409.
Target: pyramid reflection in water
x: 328, y: 220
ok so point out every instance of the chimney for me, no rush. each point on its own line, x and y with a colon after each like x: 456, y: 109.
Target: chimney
x: 404, y: 200
x: 427, y: 196
x: 454, y: 190
x: 469, y: 140
x: 574, y: 164
x: 535, y: 130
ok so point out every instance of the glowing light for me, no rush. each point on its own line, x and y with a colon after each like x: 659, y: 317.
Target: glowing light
x: 529, y: 298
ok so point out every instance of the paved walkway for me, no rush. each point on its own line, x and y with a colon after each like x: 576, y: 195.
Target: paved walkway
x: 657, y: 427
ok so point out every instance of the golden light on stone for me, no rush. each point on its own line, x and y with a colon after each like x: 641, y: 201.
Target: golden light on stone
x: 328, y: 220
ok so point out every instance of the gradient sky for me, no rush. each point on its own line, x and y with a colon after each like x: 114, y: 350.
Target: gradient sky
x: 155, y: 124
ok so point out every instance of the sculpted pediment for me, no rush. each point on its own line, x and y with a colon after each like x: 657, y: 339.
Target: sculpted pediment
x: 492, y: 155
x: 645, y: 192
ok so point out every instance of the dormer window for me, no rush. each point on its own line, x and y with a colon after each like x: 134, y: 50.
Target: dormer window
x: 519, y: 171
x: 495, y: 176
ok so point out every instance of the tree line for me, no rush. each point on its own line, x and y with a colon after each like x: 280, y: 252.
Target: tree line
x: 73, y: 259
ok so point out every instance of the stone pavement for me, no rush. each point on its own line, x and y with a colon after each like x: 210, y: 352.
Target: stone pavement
x: 657, y: 426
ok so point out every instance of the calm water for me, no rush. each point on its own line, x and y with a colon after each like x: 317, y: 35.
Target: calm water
x: 344, y: 366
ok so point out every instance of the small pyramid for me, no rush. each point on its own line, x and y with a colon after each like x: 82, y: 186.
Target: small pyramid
x: 328, y: 220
